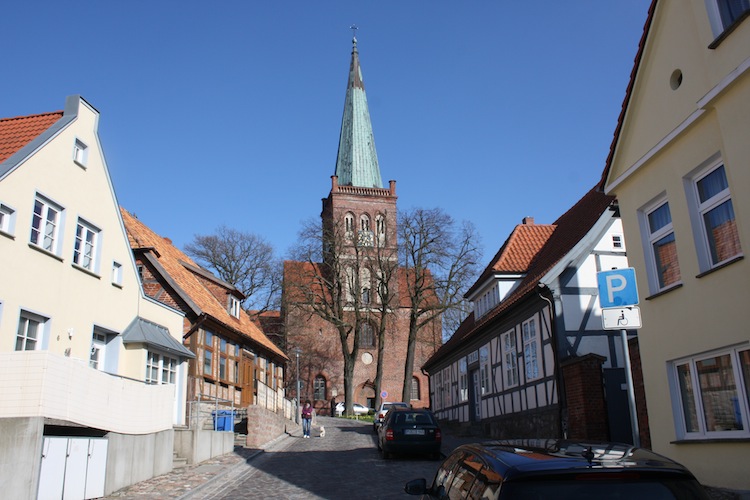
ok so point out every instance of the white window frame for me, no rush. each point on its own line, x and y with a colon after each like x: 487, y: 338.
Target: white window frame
x: 740, y: 408
x: 618, y: 242
x: 86, y: 246
x: 160, y: 368
x: 649, y: 238
x: 7, y: 220
x: 234, y: 306
x: 116, y: 273
x: 46, y: 224
x: 98, y: 350
x: 80, y: 152
x: 484, y: 368
x: 698, y: 210
x: 463, y: 377
x: 714, y: 17
x: 25, y: 319
x: 510, y: 359
x: 532, y: 349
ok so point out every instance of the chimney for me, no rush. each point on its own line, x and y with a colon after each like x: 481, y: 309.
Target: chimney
x: 528, y: 221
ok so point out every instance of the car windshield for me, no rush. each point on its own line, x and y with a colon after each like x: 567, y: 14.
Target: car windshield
x: 596, y: 486
x: 412, y: 418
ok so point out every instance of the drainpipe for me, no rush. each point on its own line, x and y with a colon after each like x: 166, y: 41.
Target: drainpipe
x: 558, y: 371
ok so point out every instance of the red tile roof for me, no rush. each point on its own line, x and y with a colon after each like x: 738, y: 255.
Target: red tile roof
x: 178, y: 266
x: 15, y: 133
x: 570, y: 228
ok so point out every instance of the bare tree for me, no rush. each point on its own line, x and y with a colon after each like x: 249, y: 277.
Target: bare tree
x: 244, y: 260
x: 441, y: 261
x: 327, y: 279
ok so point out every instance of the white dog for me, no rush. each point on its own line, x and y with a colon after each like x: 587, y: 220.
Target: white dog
x: 322, y: 431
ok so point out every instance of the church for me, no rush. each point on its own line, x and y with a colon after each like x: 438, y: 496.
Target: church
x: 346, y: 308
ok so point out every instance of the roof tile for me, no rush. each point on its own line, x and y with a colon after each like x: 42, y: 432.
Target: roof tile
x: 15, y: 133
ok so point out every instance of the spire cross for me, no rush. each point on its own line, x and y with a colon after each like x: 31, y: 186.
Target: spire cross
x: 354, y: 29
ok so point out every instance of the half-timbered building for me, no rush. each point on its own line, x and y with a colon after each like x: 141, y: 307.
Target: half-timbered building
x: 533, y: 360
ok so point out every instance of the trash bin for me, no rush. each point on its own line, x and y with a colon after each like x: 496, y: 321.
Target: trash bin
x: 223, y: 420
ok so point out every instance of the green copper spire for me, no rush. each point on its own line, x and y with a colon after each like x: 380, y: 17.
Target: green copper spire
x: 357, y: 161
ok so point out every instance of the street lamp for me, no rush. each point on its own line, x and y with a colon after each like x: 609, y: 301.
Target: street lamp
x: 297, y: 351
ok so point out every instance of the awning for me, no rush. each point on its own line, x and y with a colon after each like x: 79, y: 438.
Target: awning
x: 141, y: 331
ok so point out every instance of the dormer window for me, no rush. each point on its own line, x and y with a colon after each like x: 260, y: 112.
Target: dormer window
x: 234, y: 306
x: 80, y: 153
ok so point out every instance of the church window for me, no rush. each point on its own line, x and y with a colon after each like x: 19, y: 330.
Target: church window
x: 366, y: 336
x: 364, y: 222
x: 349, y: 224
x: 414, y: 388
x: 380, y: 230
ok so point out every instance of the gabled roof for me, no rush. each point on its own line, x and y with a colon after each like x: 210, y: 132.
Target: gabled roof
x: 188, y: 280
x: 357, y: 161
x: 628, y: 94
x: 15, y: 133
x: 517, y: 252
x: 570, y: 228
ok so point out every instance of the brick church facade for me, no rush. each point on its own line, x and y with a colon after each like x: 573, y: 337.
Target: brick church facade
x: 363, y: 215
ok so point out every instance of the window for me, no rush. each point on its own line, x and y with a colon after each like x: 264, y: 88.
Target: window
x: 366, y: 283
x: 80, y: 153
x: 510, y: 372
x: 447, y: 388
x: 365, y: 236
x: 724, y: 13
x: 380, y: 230
x: 116, y: 273
x: 319, y: 388
x: 229, y: 361
x: 45, y: 224
x: 414, y: 388
x: 86, y: 243
x: 712, y: 213
x: 617, y: 241
x: 7, y: 219
x: 484, y: 364
x: 234, y: 306
x: 349, y: 225
x: 712, y: 393
x: 160, y: 369
x: 463, y: 378
x: 366, y: 336
x: 531, y: 350
x: 222, y: 359
x: 662, y: 265
x: 30, y: 332
x: 208, y: 353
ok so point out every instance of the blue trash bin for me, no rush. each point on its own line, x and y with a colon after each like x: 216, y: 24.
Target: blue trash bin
x: 223, y: 420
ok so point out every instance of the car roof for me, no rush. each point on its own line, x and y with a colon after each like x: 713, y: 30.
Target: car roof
x: 514, y: 459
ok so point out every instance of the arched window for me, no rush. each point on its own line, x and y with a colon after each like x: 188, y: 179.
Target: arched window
x: 380, y: 229
x: 319, y: 388
x: 364, y: 222
x: 366, y: 336
x: 349, y: 224
x: 414, y: 388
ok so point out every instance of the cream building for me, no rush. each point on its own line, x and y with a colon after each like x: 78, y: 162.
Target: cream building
x: 85, y: 354
x: 679, y: 168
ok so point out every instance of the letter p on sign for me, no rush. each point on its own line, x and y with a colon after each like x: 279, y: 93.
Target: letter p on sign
x: 617, y: 288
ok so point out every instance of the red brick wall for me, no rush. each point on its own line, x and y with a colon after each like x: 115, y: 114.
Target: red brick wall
x: 640, y: 393
x: 584, y: 392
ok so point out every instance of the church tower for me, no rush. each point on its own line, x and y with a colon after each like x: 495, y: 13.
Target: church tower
x: 358, y: 205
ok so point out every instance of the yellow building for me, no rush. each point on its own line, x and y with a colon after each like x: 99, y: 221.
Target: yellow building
x: 679, y: 168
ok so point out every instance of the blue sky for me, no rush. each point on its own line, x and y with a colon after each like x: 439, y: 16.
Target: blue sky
x: 228, y: 112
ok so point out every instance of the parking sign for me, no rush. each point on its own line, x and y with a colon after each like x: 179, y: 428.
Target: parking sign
x: 617, y: 288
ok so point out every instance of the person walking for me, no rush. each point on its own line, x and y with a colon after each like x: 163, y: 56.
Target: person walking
x: 307, y: 414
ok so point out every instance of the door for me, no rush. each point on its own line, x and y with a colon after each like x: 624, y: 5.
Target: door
x: 618, y: 410
x: 248, y: 379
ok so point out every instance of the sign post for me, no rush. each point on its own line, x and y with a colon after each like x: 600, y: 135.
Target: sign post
x: 618, y: 297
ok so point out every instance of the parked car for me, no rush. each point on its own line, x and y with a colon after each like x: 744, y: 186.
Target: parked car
x: 384, y: 407
x: 566, y: 470
x: 408, y: 431
x: 357, y: 408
